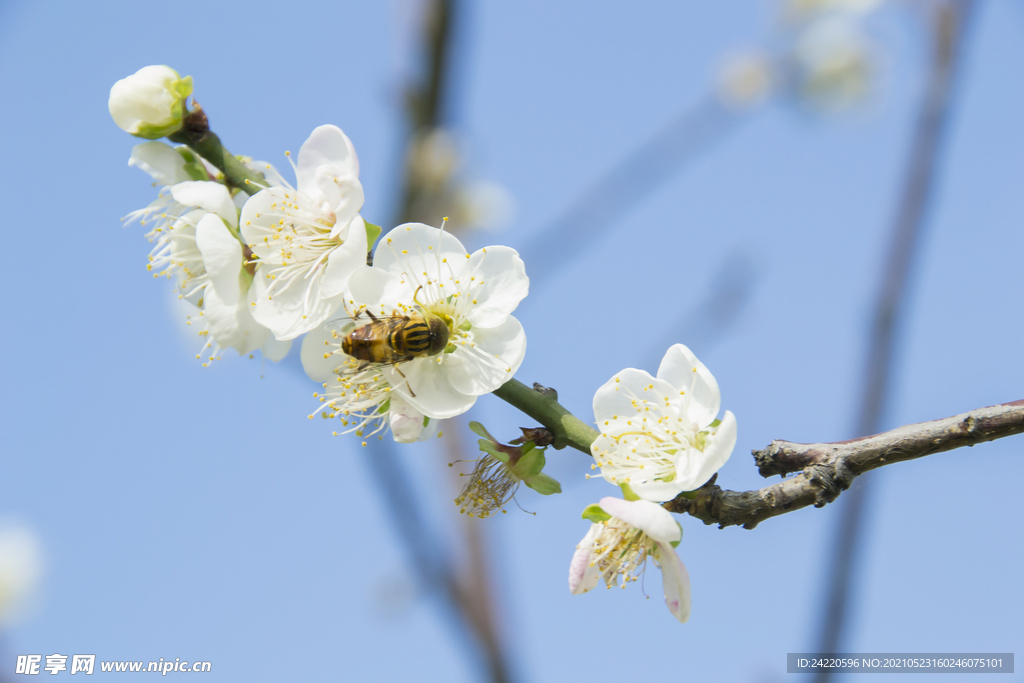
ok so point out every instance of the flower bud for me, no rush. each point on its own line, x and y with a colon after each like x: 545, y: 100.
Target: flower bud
x: 151, y: 102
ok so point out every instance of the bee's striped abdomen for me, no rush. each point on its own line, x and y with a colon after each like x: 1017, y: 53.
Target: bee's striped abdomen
x: 412, y: 339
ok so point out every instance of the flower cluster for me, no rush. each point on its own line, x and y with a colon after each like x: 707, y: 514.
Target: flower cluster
x: 407, y: 331
x: 659, y: 437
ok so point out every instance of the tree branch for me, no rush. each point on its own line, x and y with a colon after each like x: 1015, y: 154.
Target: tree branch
x: 542, y: 405
x: 830, y: 468
x: 196, y: 134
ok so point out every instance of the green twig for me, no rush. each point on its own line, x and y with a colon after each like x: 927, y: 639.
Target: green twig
x: 543, y: 407
x: 196, y: 134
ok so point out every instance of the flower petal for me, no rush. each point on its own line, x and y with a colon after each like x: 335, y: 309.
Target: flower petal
x: 718, y: 448
x: 378, y: 289
x: 207, y: 195
x: 222, y: 256
x: 161, y: 161
x: 615, y: 398
x: 230, y: 323
x: 415, y: 248
x: 275, y: 350
x: 682, y: 370
x: 406, y: 421
x: 344, y: 260
x: 651, y: 518
x: 314, y: 347
x: 325, y: 146
x: 501, y: 283
x: 583, y: 576
x: 434, y: 395
x: 494, y: 357
x: 290, y: 310
x: 676, y: 581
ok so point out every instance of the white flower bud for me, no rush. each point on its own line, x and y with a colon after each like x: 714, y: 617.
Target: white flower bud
x: 151, y: 102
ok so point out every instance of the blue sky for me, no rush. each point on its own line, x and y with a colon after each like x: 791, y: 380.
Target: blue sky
x: 196, y: 513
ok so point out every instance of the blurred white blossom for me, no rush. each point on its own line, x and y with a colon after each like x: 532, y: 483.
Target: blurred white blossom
x: 21, y: 566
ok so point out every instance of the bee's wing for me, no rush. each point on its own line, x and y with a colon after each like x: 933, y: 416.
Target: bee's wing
x: 342, y: 326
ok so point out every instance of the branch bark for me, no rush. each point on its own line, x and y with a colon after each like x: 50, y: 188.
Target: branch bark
x: 828, y: 469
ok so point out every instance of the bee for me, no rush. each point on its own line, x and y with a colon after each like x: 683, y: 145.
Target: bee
x: 392, y: 339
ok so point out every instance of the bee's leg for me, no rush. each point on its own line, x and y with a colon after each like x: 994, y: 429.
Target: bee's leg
x: 409, y: 386
x: 372, y: 316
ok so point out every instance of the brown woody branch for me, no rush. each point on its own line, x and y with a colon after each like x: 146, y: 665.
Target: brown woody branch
x: 828, y: 469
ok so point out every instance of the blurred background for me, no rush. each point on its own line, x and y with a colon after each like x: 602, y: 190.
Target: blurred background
x: 725, y: 175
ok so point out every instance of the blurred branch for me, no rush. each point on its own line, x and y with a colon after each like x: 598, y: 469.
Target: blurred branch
x: 952, y: 19
x: 828, y: 469
x: 632, y: 179
x: 469, y: 608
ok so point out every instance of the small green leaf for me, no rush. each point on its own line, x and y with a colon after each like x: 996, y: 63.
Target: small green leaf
x: 715, y: 423
x: 480, y: 430
x: 385, y: 407
x: 530, y: 463
x: 543, y: 484
x: 426, y: 420
x: 488, y: 447
x: 627, y: 492
x: 372, y: 233
x: 595, y: 514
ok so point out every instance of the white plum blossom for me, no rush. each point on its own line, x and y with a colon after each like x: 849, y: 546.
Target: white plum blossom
x: 20, y: 569
x: 425, y: 270
x: 361, y: 399
x: 624, y: 534
x: 195, y: 227
x: 151, y: 102
x: 832, y: 63
x: 309, y: 239
x: 660, y: 435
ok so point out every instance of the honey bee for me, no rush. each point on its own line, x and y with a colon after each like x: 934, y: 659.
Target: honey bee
x: 393, y: 339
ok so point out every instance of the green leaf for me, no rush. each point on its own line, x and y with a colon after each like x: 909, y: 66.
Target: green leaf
x: 715, y: 423
x: 595, y: 513
x: 488, y: 447
x: 480, y: 430
x: 426, y: 420
x: 627, y: 492
x: 543, y: 484
x: 372, y: 233
x: 530, y: 463
x: 385, y: 407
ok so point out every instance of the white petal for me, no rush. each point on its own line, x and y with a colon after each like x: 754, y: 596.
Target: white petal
x: 257, y: 220
x: 615, y: 398
x: 498, y: 353
x: 343, y: 195
x: 406, y: 422
x: 290, y: 310
x: 424, y: 248
x: 161, y: 161
x: 273, y: 176
x: 682, y: 370
x: 222, y: 256
x: 275, y: 350
x: 651, y: 518
x: 717, y: 450
x: 207, y: 195
x: 318, y: 368
x: 231, y: 325
x: 344, y: 260
x: 434, y: 395
x: 326, y: 145
x: 582, y: 576
x: 500, y: 284
x: 676, y: 581
x: 378, y: 289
